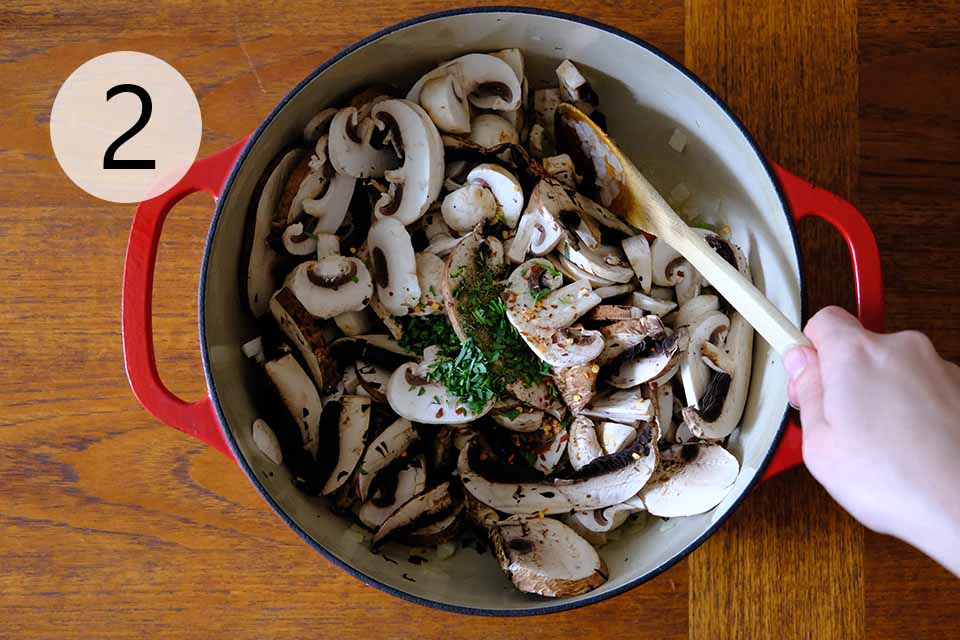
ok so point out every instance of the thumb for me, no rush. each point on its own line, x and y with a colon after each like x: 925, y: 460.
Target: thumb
x: 805, y: 389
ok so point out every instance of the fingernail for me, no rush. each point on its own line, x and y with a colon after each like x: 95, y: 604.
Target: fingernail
x: 790, y: 402
x: 795, y: 362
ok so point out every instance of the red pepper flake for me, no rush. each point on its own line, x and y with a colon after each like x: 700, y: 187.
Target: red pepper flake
x: 439, y: 413
x: 461, y: 411
x: 564, y: 437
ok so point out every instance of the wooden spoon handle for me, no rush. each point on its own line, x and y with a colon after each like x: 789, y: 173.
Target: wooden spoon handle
x: 779, y: 332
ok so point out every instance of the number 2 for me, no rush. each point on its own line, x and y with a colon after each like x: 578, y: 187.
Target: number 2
x: 110, y: 162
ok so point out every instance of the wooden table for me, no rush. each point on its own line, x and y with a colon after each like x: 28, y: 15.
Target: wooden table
x: 112, y: 525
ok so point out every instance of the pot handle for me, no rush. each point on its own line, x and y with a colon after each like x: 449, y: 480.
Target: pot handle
x: 197, y: 419
x: 808, y: 200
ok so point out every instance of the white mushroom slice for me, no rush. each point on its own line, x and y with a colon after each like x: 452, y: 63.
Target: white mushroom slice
x: 266, y: 441
x: 665, y: 263
x: 544, y: 321
x: 717, y: 358
x: 436, y: 533
x: 299, y: 396
x: 468, y: 206
x: 349, y: 148
x: 304, y: 332
x: 693, y: 371
x: 299, y: 241
x: 445, y: 102
x: 583, y: 447
x: 574, y: 272
x: 516, y: 417
x: 561, y: 169
x: 657, y: 355
x: 349, y: 383
x: 253, y: 349
x: 663, y: 405
x: 430, y: 275
x: 607, y: 481
x: 610, y: 518
x: 536, y: 141
x: 688, y: 285
x: 416, y: 184
x: 331, y: 286
x: 694, y: 310
x: 412, y: 396
x: 692, y: 479
x: 625, y: 335
x: 547, y: 558
x: 721, y: 405
x: 603, y: 216
x: 637, y: 249
x: 318, y: 125
x: 328, y: 245
x: 548, y: 459
x: 539, y: 395
x: 488, y: 82
x: 330, y: 209
x: 603, y: 262
x: 539, y: 231
x: 621, y: 406
x: 411, y: 481
x: 615, y: 437
x: 545, y: 103
x: 653, y: 305
x: 354, y: 323
x: 384, y: 449
x: 394, y: 266
x: 263, y: 258
x: 613, y: 290
x: 573, y: 86
x: 490, y: 130
x: 617, y: 312
x: 454, y: 176
x: 514, y: 58
x: 354, y: 422
x: 505, y: 188
x: 472, y: 254
x: 373, y: 381
x: 664, y: 294
x: 425, y: 506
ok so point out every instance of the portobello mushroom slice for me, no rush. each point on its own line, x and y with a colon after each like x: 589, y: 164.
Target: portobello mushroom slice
x: 443, y: 530
x: 546, y: 557
x: 384, y: 449
x: 417, y: 513
x: 577, y: 385
x: 624, y: 335
x: 410, y: 482
x: 305, y: 333
x: 692, y: 479
x: 606, y: 481
x: 649, y: 359
x: 354, y: 423
x: 373, y: 381
x: 299, y: 396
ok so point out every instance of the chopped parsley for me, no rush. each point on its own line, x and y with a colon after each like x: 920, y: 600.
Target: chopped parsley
x: 421, y: 332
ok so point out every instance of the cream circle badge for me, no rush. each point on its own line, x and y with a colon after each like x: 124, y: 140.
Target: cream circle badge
x: 125, y: 126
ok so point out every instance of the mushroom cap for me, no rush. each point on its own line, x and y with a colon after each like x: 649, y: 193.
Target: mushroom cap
x: 298, y: 240
x: 462, y: 265
x: 413, y: 397
x: 505, y: 188
x: 468, y: 206
x: 331, y: 286
x: 577, y: 384
x: 547, y: 558
x: 653, y: 305
x: 692, y: 479
x: 354, y: 422
x: 416, y: 184
x: 349, y: 147
x: 394, y: 266
x: 488, y: 82
x: 444, y: 101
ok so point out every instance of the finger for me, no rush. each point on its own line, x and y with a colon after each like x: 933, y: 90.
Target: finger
x: 805, y: 389
x: 831, y: 323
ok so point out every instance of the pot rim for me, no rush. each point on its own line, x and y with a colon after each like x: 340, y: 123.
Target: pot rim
x: 557, y: 606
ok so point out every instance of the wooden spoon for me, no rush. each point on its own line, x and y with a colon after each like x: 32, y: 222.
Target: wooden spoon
x: 644, y: 208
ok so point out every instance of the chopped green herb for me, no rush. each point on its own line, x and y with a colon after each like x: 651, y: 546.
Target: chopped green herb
x: 540, y: 294
x: 421, y: 332
x: 549, y: 268
x: 511, y: 414
x: 355, y: 279
x: 422, y: 391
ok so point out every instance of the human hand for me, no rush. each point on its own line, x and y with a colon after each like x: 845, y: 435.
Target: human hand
x: 881, y: 429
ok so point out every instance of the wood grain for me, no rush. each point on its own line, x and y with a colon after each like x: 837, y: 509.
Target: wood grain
x: 114, y: 526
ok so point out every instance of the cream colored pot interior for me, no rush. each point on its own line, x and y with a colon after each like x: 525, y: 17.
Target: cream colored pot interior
x: 645, y: 98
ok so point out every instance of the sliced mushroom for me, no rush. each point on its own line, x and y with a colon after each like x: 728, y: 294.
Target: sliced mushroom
x: 613, y: 290
x: 606, y: 481
x: 468, y: 206
x: 603, y: 262
x: 305, y: 333
x: 536, y: 141
x: 545, y: 103
x: 299, y: 239
x: 445, y: 102
x: 489, y: 130
x: 693, y: 371
x: 539, y: 230
x: 354, y: 323
x: 487, y: 81
x: 583, y: 447
x: 692, y: 479
x: 577, y: 384
x: 615, y: 312
x: 430, y: 275
x: 549, y: 457
x: 547, y: 558
x: 622, y: 336
x: 615, y: 437
x: 540, y: 394
x: 350, y: 149
x: 318, y: 125
x: 473, y: 255
x: 561, y: 169
x: 602, y: 215
x: 266, y: 441
x: 299, y: 396
x: 382, y: 450
x: 411, y: 481
x: 545, y: 321
x: 649, y: 360
x: 637, y: 249
x: 516, y: 416
x: 331, y: 286
x: 574, y: 86
x: 373, y: 381
x: 354, y: 422
x: 505, y: 189
x: 330, y: 208
x: 391, y: 323
x: 694, y: 310
x: 374, y: 348
x: 621, y: 406
x: 435, y: 533
x: 414, y: 397
x: 653, y: 305
x: 663, y: 406
x: 263, y: 258
x: 607, y: 519
x: 416, y: 513
x: 416, y: 184
x: 394, y: 266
